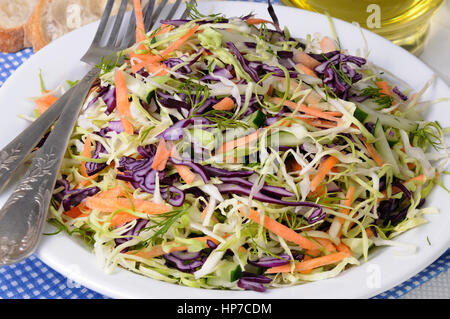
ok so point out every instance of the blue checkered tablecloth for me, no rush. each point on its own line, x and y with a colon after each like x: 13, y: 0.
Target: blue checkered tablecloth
x: 33, y: 279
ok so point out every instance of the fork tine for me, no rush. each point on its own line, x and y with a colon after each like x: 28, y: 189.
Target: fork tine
x: 157, y: 13
x: 173, y: 10
x: 103, y: 22
x: 130, y: 35
x: 117, y: 24
x: 148, y: 14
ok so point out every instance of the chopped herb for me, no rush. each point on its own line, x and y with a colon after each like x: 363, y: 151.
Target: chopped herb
x: 162, y: 224
x: 107, y: 64
x: 381, y: 99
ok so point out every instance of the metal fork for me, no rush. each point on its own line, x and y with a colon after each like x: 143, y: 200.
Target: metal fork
x: 24, y: 214
x: 13, y: 155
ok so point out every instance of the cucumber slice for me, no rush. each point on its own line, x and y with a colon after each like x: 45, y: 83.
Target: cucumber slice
x: 236, y: 273
x: 141, y: 89
x: 383, y: 148
x: 390, y: 120
x: 392, y: 136
x: 360, y: 115
x: 257, y: 119
x: 228, y: 271
x: 289, y: 136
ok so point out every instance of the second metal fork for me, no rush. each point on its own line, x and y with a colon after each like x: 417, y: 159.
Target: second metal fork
x: 24, y: 213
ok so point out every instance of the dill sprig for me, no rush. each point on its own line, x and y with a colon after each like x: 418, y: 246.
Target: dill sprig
x: 255, y: 247
x: 108, y: 63
x: 224, y: 120
x: 294, y: 221
x: 340, y: 72
x: 328, y: 92
x: 162, y: 223
x: 381, y: 99
x: 196, y: 94
x: 429, y: 134
x: 87, y: 234
x: 194, y: 14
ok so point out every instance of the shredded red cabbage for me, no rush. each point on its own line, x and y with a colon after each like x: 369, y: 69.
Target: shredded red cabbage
x: 77, y: 196
x: 399, y: 93
x: 244, y: 63
x: 220, y: 172
x: 267, y: 189
x: 176, y: 131
x: 337, y: 73
x: 183, y: 264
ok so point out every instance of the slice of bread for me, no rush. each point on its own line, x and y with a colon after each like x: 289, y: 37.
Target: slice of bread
x: 13, y: 18
x: 35, y: 23
x: 54, y: 18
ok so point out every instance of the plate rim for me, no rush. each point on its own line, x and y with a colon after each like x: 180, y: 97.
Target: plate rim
x: 114, y: 294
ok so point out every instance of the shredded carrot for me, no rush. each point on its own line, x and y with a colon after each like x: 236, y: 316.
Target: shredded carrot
x: 293, y: 166
x: 204, y: 212
x: 157, y: 69
x: 316, y: 122
x: 109, y: 205
x: 324, y: 168
x: 306, y: 70
x: 185, y: 172
x: 270, y: 90
x: 123, y: 104
x: 76, y: 212
x: 304, y: 59
x: 419, y: 178
x: 254, y: 21
x: 140, y: 27
x: 245, y: 140
x: 305, y: 272
x: 161, y: 156
x: 327, y: 45
x: 311, y: 263
x: 326, y: 243
x: 174, y: 46
x: 44, y: 102
x: 225, y: 104
x: 281, y: 230
x: 180, y: 41
x: 384, y: 88
x: 373, y: 152
x: 121, y: 218
x: 312, y: 252
x: 86, y: 153
x: 308, y: 110
x: 344, y: 248
x: 111, y: 193
x: 349, y: 197
x: 369, y: 232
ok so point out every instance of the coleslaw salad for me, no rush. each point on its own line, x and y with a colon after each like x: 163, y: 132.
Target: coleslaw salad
x: 226, y: 154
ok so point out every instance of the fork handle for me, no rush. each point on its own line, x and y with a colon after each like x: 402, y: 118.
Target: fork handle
x: 15, y: 153
x: 24, y: 214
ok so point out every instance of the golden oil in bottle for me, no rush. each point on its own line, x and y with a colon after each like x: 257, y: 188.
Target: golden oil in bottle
x: 404, y: 22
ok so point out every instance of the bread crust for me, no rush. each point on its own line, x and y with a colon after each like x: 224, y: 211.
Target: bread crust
x: 12, y: 40
x: 33, y: 29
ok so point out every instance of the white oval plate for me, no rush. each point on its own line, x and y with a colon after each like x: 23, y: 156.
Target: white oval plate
x: 384, y: 270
